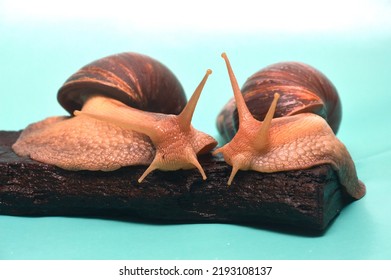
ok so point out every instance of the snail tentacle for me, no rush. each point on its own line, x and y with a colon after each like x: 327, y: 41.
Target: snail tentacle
x: 243, y: 111
x: 185, y: 117
x: 263, y: 135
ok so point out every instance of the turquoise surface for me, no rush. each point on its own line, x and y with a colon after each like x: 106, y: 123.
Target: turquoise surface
x: 39, y: 50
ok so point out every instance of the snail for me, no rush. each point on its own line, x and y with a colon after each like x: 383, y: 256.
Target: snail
x: 299, y: 136
x: 128, y: 109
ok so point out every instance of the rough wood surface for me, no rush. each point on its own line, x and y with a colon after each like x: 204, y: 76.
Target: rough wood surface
x: 305, y: 199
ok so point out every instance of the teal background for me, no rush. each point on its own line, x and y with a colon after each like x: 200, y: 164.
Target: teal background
x: 38, y: 52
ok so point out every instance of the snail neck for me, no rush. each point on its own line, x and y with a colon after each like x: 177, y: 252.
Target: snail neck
x: 94, y: 103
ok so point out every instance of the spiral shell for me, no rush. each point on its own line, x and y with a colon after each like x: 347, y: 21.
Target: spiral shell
x: 137, y: 80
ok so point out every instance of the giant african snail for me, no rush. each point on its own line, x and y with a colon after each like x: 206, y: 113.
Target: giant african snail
x: 298, y: 138
x: 128, y: 104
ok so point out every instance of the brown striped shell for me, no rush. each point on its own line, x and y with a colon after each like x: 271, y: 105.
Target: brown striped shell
x: 134, y: 79
x: 302, y: 89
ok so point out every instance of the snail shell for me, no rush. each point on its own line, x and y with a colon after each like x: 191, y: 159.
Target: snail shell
x: 302, y: 89
x: 129, y: 109
x: 136, y: 80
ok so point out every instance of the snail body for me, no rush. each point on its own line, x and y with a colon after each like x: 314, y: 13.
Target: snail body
x: 297, y: 139
x: 128, y: 109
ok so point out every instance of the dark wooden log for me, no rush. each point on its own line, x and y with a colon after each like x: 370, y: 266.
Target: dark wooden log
x: 306, y: 199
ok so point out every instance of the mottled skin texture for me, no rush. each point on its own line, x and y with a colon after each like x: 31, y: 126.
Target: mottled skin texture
x: 107, y: 134
x: 288, y: 143
x: 82, y: 142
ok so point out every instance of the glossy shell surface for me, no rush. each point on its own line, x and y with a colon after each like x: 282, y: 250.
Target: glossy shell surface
x: 134, y: 79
